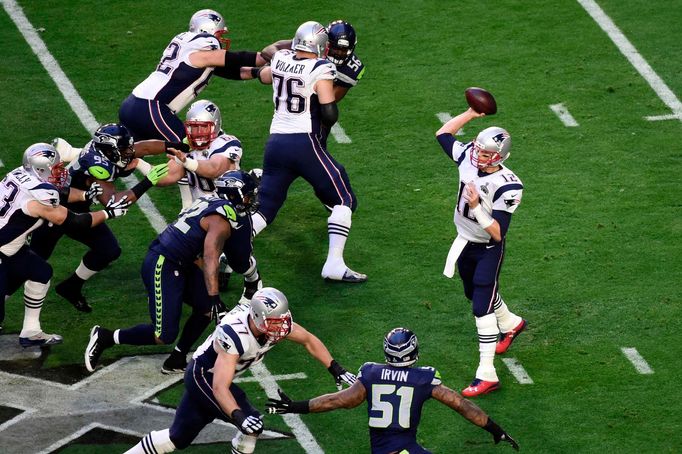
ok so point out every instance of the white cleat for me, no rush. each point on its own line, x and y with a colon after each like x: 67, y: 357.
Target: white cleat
x: 348, y: 275
x: 40, y: 339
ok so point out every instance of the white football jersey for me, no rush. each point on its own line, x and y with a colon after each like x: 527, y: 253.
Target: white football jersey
x: 297, y: 109
x: 17, y: 189
x: 501, y: 191
x: 233, y: 336
x: 175, y: 82
x: 223, y: 145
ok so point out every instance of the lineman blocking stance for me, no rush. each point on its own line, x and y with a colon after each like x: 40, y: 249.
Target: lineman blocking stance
x: 303, y: 95
x: 30, y: 195
x: 243, y: 338
x: 488, y: 194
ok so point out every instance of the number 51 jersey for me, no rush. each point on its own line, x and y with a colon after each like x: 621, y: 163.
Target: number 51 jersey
x: 395, y: 396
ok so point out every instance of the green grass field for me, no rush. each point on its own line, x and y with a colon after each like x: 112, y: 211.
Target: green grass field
x: 593, y: 253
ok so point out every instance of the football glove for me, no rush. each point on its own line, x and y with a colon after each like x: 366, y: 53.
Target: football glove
x: 157, y: 172
x: 117, y: 208
x: 181, y: 146
x: 499, y: 434
x: 248, y: 425
x: 341, y: 375
x: 95, y: 190
x: 285, y: 405
x: 218, y: 309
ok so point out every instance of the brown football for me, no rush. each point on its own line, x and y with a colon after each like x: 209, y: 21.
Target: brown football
x: 481, y: 100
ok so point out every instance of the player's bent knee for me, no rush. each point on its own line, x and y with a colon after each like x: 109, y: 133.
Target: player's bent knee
x: 166, y: 337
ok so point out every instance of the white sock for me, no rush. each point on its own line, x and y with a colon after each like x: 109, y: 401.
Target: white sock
x: 34, y: 295
x: 259, y: 223
x: 155, y: 442
x: 487, y: 338
x: 84, y: 272
x: 116, y: 341
x: 338, y: 228
x: 506, y: 320
x: 185, y: 193
x: 243, y: 444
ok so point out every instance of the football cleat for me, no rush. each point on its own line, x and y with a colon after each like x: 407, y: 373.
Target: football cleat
x: 348, y: 276
x: 176, y: 363
x: 73, y: 296
x: 478, y: 387
x: 94, y: 349
x: 250, y: 289
x: 506, y: 339
x: 41, y: 339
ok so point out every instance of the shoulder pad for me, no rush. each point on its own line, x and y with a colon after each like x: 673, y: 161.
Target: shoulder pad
x: 46, y: 194
x: 99, y: 172
x: 226, y: 210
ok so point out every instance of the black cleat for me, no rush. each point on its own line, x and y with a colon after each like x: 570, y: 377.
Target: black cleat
x: 73, y: 296
x: 97, y: 344
x: 176, y: 363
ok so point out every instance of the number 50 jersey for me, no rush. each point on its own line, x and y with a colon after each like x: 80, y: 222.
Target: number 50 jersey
x: 395, y: 396
x: 297, y: 109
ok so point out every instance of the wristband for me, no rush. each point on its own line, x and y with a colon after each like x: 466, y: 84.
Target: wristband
x: 141, y: 187
x: 300, y: 406
x: 335, y: 369
x: 238, y: 416
x: 214, y: 299
x: 191, y: 164
x: 255, y: 72
x: 483, y: 218
x: 143, y: 166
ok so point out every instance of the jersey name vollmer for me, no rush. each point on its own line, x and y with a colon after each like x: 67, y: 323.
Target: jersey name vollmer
x: 17, y: 189
x: 297, y: 109
x: 175, y: 82
x: 223, y: 145
x: 501, y: 190
x: 233, y: 336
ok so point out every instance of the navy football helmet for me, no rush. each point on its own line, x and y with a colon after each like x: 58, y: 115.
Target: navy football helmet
x: 240, y: 188
x: 401, y: 347
x: 342, y: 41
x: 115, y: 142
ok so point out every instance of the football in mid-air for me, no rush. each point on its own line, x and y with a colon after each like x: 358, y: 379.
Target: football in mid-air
x: 480, y: 100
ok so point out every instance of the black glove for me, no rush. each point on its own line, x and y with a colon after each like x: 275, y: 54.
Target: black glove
x: 285, y: 405
x: 341, y: 375
x: 499, y: 434
x: 115, y: 209
x: 248, y: 425
x: 218, y: 309
x: 182, y: 146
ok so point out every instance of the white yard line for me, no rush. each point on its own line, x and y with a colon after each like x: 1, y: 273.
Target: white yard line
x: 2, y: 164
x: 157, y: 221
x: 339, y: 134
x: 661, y: 117
x: 630, y: 52
x: 518, y: 371
x: 637, y: 360
x: 79, y: 433
x: 444, y: 117
x: 564, y: 115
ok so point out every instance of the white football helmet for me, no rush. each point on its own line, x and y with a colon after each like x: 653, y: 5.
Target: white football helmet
x: 311, y: 37
x: 211, y: 22
x: 493, y: 140
x: 270, y: 313
x: 203, y: 124
x: 42, y: 161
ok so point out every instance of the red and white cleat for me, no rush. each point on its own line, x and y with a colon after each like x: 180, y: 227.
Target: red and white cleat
x: 506, y: 339
x: 478, y: 387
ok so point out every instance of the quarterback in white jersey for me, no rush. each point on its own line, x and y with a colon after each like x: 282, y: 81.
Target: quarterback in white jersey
x: 30, y: 195
x: 488, y: 194
x: 242, y: 339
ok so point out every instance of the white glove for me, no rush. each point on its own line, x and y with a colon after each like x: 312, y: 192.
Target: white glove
x: 114, y: 208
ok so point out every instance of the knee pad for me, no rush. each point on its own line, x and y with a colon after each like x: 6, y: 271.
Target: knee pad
x: 244, y: 444
x: 341, y: 214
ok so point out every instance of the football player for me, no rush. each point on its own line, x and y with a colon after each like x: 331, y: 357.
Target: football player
x: 171, y: 275
x: 395, y: 393
x: 349, y: 68
x: 303, y: 94
x: 30, y: 196
x: 489, y: 193
x: 243, y: 338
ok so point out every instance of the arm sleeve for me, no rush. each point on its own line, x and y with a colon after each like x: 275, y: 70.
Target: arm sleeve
x: 504, y: 219
x: 234, y: 63
x: 329, y: 114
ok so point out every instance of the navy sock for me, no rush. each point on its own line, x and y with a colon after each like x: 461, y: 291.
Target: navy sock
x: 137, y: 335
x: 192, y: 331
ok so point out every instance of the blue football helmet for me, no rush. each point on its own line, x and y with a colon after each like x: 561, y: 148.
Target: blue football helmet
x: 240, y: 188
x: 342, y: 41
x: 115, y: 142
x: 401, y: 347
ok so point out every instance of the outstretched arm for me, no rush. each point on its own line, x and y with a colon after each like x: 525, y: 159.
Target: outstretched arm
x: 454, y: 124
x: 348, y: 398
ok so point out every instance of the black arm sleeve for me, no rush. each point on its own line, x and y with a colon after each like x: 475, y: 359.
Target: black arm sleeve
x: 77, y: 221
x: 329, y: 113
x: 64, y: 195
x: 504, y: 219
x: 234, y: 62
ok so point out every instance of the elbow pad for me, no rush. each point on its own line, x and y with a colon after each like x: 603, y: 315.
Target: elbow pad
x: 329, y: 114
x: 78, y: 221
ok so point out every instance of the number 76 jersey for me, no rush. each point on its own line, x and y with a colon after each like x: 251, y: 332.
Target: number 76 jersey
x: 395, y: 397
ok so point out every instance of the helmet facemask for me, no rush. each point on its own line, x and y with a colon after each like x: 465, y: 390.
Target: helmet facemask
x: 59, y: 176
x: 494, y: 141
x: 200, y: 134
x: 270, y: 313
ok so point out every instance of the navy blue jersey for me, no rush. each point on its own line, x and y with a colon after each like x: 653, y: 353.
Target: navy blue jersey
x: 183, y: 240
x: 395, y: 396
x: 348, y: 74
x: 91, y: 164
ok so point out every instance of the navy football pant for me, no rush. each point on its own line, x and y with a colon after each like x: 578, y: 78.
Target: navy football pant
x: 198, y: 407
x: 479, y: 267
x: 103, y: 245
x: 147, y: 119
x: 289, y: 156
x: 168, y: 286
